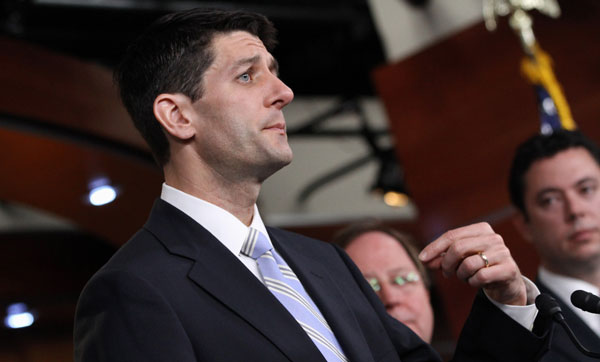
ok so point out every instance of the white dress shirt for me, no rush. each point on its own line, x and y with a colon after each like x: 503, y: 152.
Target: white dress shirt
x: 228, y: 229
x: 563, y: 286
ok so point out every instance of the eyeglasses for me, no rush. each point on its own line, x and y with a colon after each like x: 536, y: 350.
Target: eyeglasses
x: 410, y: 277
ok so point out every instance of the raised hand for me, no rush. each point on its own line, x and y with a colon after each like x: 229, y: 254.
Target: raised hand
x: 478, y: 256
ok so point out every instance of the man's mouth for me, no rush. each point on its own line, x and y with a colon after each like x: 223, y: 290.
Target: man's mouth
x: 582, y: 234
x: 278, y: 127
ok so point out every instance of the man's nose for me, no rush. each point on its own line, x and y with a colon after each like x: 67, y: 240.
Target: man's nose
x: 390, y: 295
x: 575, y: 206
x: 282, y: 95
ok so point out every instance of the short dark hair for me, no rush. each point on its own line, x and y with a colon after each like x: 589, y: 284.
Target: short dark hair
x: 540, y: 147
x: 347, y: 235
x: 171, y: 56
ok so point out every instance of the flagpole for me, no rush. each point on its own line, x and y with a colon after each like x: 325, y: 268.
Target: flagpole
x: 537, y: 64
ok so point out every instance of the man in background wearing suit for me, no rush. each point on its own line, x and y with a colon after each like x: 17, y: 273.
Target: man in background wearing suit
x: 205, y: 280
x: 555, y: 185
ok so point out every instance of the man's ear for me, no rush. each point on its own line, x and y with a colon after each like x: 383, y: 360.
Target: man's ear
x: 522, y: 225
x: 169, y: 111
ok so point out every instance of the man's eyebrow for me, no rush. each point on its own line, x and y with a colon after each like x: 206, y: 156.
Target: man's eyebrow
x: 586, y: 180
x: 546, y: 190
x: 246, y: 61
x: 402, y: 269
x: 273, y: 64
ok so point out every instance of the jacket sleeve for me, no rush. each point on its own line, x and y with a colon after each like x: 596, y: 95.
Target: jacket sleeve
x: 120, y: 317
x: 490, y: 335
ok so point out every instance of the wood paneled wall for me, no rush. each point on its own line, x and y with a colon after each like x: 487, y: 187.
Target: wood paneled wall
x: 53, y: 172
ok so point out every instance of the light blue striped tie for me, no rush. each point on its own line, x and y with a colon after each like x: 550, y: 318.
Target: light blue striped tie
x: 285, y: 286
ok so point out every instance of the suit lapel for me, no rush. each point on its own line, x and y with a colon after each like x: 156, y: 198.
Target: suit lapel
x: 223, y: 276
x: 325, y: 293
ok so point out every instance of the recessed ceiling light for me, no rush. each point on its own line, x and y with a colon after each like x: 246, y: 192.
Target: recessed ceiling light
x: 18, y: 316
x: 101, y: 192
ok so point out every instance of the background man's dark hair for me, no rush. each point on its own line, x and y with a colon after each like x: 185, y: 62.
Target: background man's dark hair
x: 171, y: 56
x: 344, y: 237
x: 540, y: 147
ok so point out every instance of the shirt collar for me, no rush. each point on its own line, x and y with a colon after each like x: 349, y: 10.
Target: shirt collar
x: 563, y: 286
x: 228, y: 229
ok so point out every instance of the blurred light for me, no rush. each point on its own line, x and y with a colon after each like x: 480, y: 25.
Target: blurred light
x: 395, y: 199
x: 101, y: 191
x: 20, y: 320
x: 102, y: 195
x: 17, y: 316
x: 390, y: 180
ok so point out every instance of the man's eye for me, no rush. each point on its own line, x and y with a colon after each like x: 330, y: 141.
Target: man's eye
x: 548, y: 201
x: 374, y: 284
x: 245, y: 77
x: 410, y: 277
x: 399, y: 280
x: 587, y: 189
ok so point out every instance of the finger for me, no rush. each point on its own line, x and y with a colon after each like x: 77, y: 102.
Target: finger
x: 441, y: 244
x: 462, y: 249
x: 472, y: 265
x: 435, y: 263
x: 489, y: 256
x: 496, y: 275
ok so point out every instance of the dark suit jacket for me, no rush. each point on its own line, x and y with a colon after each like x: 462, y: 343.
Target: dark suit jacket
x: 175, y: 293
x: 562, y: 348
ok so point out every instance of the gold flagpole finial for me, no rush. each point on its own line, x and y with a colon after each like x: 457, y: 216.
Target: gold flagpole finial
x: 520, y: 21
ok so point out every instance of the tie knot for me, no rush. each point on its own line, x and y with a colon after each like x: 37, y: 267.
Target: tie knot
x: 256, y: 244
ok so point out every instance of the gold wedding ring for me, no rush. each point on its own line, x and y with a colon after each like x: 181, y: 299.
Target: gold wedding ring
x: 485, y: 259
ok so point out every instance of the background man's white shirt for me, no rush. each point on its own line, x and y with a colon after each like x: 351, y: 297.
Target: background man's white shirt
x: 563, y: 287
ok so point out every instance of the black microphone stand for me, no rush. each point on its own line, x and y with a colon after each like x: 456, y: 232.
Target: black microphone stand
x: 548, y: 306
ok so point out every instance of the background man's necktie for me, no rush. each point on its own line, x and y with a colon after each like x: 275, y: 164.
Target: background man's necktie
x: 285, y: 286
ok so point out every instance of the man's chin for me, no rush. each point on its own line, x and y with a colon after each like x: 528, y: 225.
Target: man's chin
x: 273, y: 165
x: 585, y: 248
x: 284, y: 158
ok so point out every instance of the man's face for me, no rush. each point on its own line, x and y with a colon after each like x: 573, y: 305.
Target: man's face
x: 563, y: 207
x: 379, y: 256
x: 241, y: 130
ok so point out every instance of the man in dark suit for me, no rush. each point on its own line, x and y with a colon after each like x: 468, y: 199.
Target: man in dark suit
x: 202, y: 88
x: 555, y: 185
